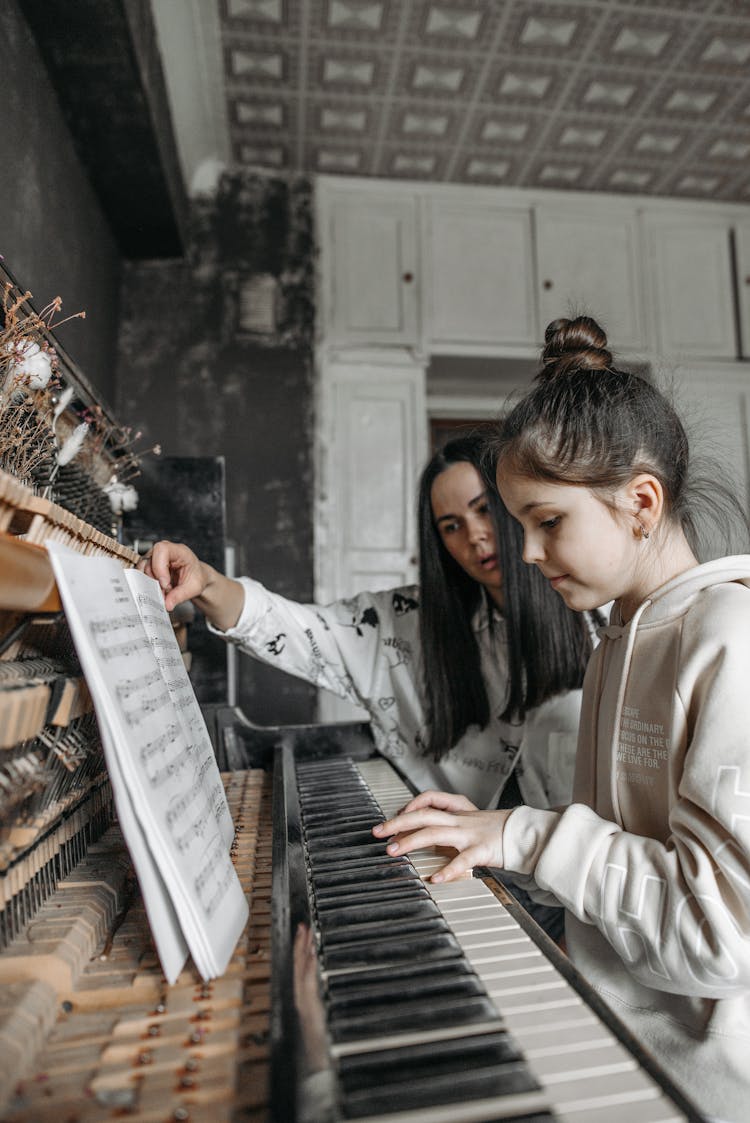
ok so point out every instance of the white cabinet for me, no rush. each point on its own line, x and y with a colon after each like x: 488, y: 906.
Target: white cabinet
x: 588, y: 263
x: 479, y: 275
x: 691, y: 285
x: 713, y: 401
x: 369, y: 272
x: 742, y: 249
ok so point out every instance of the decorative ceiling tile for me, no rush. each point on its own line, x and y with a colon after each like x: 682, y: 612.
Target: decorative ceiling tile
x: 425, y: 124
x: 659, y: 143
x: 723, y: 149
x: 727, y: 51
x: 545, y: 32
x: 257, y: 65
x: 690, y: 101
x: 413, y: 164
x: 637, y: 41
x: 479, y: 168
x: 342, y: 119
x: 524, y: 87
x: 575, y: 136
x: 351, y: 72
x: 630, y: 179
x: 449, y: 20
x: 262, y: 155
x: 356, y: 15
x: 604, y: 94
x: 504, y: 131
x: 693, y: 184
x: 333, y: 160
x: 560, y: 173
x: 269, y: 11
x: 260, y: 113
x: 437, y: 79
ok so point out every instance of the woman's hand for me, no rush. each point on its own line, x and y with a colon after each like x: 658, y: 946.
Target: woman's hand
x: 444, y: 819
x: 182, y: 576
x: 179, y: 572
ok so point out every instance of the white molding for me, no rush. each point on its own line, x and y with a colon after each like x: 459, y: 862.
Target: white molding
x: 189, y: 37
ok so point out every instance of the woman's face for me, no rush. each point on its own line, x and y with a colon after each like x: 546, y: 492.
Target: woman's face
x: 462, y: 516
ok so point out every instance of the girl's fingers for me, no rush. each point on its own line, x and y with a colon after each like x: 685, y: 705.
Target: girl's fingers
x: 444, y: 801
x: 420, y: 839
x: 458, y: 867
x: 410, y: 821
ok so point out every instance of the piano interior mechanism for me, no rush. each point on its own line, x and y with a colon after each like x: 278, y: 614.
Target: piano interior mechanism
x: 358, y: 991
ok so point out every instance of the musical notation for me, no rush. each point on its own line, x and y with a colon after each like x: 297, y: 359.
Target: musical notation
x: 172, y: 805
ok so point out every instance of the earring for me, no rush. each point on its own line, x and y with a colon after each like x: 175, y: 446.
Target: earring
x: 644, y: 532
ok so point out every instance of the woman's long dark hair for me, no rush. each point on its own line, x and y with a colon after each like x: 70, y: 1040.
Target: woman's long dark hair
x: 548, y: 645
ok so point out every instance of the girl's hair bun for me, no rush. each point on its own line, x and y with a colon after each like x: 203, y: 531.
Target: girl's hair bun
x: 578, y: 344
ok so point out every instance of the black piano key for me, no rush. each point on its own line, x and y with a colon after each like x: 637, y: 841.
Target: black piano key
x: 344, y: 897
x: 362, y: 858
x: 391, y: 950
x: 373, y: 916
x: 344, y: 840
x: 347, y: 876
x: 440, y: 1072
x: 403, y: 975
x: 366, y: 866
x: 352, y: 934
x: 369, y: 849
x: 358, y: 990
x: 350, y: 822
x: 412, y: 1015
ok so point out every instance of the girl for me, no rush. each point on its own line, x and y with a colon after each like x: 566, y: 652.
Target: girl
x: 471, y: 682
x: 652, y: 859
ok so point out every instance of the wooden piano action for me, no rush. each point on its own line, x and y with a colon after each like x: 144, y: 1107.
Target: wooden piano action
x: 413, y: 1003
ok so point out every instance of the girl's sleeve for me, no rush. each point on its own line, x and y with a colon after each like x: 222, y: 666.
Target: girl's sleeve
x: 677, y: 912
x: 335, y: 646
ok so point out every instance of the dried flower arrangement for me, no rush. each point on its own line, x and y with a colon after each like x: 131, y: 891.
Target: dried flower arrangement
x: 68, y: 452
x: 29, y: 380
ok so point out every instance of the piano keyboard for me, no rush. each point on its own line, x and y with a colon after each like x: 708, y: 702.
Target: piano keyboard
x: 439, y: 1007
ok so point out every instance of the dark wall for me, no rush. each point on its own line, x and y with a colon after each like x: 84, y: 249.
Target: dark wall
x: 53, y: 236
x: 192, y: 379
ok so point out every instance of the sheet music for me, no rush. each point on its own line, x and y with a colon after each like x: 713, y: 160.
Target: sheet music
x: 161, y: 761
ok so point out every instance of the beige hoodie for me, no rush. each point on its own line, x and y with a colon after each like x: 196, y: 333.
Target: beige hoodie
x: 652, y: 860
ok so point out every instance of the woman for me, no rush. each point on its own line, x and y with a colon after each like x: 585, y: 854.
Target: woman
x: 471, y: 680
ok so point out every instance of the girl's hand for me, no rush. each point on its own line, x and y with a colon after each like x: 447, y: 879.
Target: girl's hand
x: 477, y: 836
x: 446, y: 801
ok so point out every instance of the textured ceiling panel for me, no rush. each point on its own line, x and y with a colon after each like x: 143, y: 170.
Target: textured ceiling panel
x: 606, y: 95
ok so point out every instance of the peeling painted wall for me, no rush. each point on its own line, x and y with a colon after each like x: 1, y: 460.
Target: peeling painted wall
x: 192, y: 380
x: 54, y: 238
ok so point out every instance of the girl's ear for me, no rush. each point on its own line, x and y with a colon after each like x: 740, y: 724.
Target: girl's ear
x: 645, y: 498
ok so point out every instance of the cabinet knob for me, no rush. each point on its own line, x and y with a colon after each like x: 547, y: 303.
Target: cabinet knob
x: 747, y: 280
x: 547, y: 284
x: 407, y: 278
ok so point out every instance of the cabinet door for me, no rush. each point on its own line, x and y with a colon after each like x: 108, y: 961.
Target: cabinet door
x: 713, y: 401
x: 479, y: 275
x: 372, y: 284
x: 373, y: 445
x: 742, y: 243
x: 692, y: 287
x: 588, y: 264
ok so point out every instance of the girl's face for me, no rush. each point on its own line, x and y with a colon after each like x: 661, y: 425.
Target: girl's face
x: 462, y: 516
x: 588, y: 552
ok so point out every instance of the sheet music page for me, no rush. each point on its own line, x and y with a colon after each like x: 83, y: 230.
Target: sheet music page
x: 149, y: 601
x: 166, y: 774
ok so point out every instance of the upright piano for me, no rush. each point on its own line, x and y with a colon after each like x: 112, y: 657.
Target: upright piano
x: 358, y: 990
